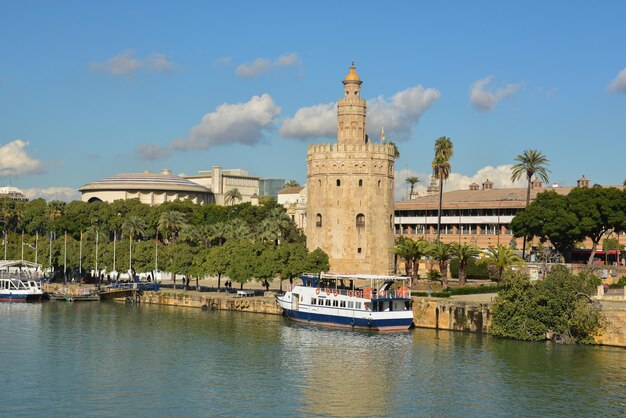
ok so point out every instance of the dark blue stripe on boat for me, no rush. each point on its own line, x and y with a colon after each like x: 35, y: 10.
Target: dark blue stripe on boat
x: 348, y: 322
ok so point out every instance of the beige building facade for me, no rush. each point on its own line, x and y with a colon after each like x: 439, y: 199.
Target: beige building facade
x: 220, y: 181
x: 294, y: 200
x: 350, y: 186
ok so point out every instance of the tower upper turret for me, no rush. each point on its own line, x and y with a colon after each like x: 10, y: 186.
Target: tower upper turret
x: 351, y: 111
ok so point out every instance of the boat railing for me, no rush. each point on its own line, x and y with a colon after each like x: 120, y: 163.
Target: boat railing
x: 368, y: 293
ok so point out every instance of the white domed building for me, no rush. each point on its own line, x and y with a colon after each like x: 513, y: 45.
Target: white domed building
x: 12, y: 193
x: 149, y: 188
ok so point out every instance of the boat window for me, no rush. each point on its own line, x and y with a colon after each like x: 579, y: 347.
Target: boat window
x: 313, y: 301
x: 335, y: 302
x: 342, y: 304
x: 358, y: 305
x: 327, y: 302
x: 350, y: 304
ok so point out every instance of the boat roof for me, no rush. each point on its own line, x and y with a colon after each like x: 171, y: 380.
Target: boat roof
x: 18, y: 263
x: 338, y: 276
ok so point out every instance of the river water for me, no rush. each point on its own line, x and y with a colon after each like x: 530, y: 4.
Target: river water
x: 111, y: 359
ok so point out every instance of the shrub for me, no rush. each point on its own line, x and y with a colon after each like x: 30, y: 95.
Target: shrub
x: 474, y: 290
x: 433, y: 294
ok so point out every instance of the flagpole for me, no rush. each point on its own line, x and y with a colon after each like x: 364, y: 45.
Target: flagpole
x: 65, y: 260
x: 50, y: 257
x: 22, y: 245
x: 36, y: 244
x: 114, y: 241
x: 97, y: 274
x: 80, y: 257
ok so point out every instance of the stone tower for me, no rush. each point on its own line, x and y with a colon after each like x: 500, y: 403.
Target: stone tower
x: 350, y: 192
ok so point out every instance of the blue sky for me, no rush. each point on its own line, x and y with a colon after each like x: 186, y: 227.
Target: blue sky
x: 91, y: 89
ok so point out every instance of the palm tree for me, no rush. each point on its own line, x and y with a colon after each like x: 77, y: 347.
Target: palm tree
x: 412, y: 181
x: 464, y: 253
x: 237, y: 229
x: 219, y: 231
x: 531, y: 163
x: 412, y: 252
x: 292, y: 183
x: 134, y: 227
x: 501, y: 257
x: 232, y: 196
x: 170, y: 223
x: 444, y: 150
x: 441, y: 253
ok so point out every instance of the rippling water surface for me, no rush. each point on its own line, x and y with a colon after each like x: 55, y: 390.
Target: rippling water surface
x: 108, y: 359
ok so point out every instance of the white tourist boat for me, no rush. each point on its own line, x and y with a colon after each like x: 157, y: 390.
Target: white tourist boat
x: 356, y: 301
x: 17, y: 288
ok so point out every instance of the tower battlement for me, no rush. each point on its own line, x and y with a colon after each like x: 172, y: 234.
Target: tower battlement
x: 371, y: 148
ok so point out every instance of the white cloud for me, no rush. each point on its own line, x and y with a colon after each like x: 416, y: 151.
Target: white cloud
x: 65, y: 194
x: 618, y: 85
x: 239, y: 123
x: 397, y: 115
x: 15, y: 161
x: 482, y: 97
x: 126, y: 64
x: 253, y: 69
x: 319, y: 121
x: 263, y: 65
x: 500, y: 176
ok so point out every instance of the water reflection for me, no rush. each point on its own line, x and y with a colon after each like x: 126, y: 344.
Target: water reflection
x: 109, y: 359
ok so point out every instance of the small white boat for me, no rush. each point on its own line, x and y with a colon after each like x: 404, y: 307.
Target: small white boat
x: 17, y: 288
x: 380, y: 303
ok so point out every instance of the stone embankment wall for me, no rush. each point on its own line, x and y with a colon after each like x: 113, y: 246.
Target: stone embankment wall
x: 444, y: 314
x: 257, y: 304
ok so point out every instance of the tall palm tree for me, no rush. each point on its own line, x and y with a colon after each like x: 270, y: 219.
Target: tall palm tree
x: 232, y: 196
x: 134, y: 227
x: 464, y: 253
x: 501, y: 257
x: 531, y: 163
x: 292, y: 183
x: 441, y: 253
x: 171, y: 222
x: 412, y: 252
x: 444, y: 150
x: 412, y: 180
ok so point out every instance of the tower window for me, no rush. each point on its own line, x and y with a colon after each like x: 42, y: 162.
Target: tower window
x: 360, y: 220
x: 358, y: 250
x: 360, y: 183
x: 378, y: 183
x: 318, y: 220
x: 338, y: 182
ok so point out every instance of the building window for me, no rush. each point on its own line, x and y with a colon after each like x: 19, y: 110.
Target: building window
x: 360, y: 183
x: 358, y: 250
x: 318, y: 220
x: 338, y: 182
x: 360, y: 220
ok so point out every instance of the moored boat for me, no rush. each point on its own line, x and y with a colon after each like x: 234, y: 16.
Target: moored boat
x: 384, y: 303
x: 19, y: 288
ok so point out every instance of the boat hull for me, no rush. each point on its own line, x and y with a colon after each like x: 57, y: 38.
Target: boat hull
x: 20, y: 297
x: 389, y: 324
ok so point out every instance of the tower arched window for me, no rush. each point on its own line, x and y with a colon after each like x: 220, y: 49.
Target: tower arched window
x: 318, y: 220
x: 360, y: 183
x: 360, y: 220
x: 338, y: 182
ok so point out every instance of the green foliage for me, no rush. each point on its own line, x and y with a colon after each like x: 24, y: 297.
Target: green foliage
x: 434, y: 275
x: 556, y: 308
x: 432, y: 294
x: 500, y: 259
x: 610, y: 244
x: 620, y: 283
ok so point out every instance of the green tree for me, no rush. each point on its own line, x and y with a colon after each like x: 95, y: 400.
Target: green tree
x: 598, y: 210
x: 530, y: 163
x: 558, y: 307
x: 464, y: 253
x: 441, y: 253
x: 549, y: 218
x: 396, y: 150
x: 170, y: 223
x: 133, y: 227
x: 412, y: 252
x: 242, y: 267
x: 412, y: 181
x: 232, y: 196
x: 237, y: 229
x: 501, y: 258
x: 444, y: 150
x: 292, y: 183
